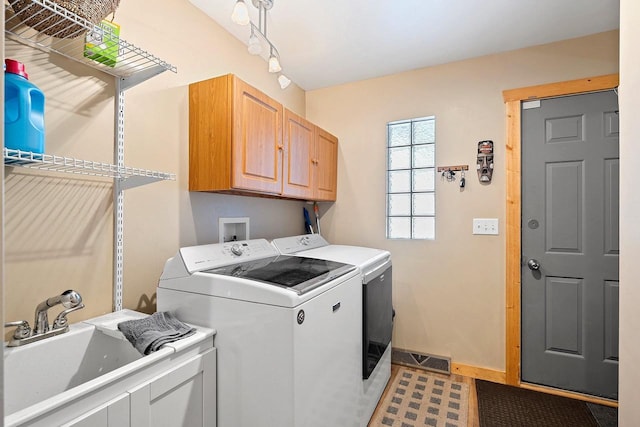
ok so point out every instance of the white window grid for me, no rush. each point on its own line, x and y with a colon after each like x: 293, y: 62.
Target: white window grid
x: 411, y: 171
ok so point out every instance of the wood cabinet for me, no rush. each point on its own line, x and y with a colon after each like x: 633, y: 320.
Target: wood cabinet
x: 235, y: 137
x: 243, y: 142
x: 310, y: 160
x: 326, y: 165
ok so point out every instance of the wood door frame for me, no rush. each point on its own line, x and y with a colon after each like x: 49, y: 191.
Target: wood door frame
x: 512, y: 99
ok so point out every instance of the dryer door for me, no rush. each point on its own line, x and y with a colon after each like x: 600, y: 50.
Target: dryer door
x: 377, y: 320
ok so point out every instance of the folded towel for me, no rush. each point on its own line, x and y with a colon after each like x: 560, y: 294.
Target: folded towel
x: 149, y: 334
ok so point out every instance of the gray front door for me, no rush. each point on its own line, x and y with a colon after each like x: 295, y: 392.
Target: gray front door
x: 570, y: 243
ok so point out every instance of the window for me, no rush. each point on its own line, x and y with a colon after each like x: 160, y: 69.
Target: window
x: 411, y: 197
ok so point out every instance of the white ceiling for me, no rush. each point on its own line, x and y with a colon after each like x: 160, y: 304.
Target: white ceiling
x: 328, y: 42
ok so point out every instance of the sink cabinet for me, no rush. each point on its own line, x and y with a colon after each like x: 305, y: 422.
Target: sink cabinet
x: 243, y: 142
x: 182, y: 396
x: 114, y: 413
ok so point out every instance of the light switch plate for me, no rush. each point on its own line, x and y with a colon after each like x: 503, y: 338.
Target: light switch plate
x: 485, y: 226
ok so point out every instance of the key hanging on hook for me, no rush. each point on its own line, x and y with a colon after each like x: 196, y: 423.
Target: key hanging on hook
x: 462, y: 180
x: 449, y: 175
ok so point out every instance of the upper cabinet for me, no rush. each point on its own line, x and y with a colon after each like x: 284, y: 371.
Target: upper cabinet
x: 326, y: 165
x: 311, y: 158
x: 243, y: 142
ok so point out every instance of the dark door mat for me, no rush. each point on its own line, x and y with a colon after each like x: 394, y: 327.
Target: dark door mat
x: 606, y: 416
x: 506, y: 406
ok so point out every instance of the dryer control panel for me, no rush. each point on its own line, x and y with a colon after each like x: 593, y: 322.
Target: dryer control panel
x: 294, y: 244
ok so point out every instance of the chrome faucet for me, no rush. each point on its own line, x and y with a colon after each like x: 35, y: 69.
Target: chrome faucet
x: 71, y: 300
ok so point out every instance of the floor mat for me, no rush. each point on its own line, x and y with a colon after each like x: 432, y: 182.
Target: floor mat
x: 506, y: 406
x: 606, y: 416
x: 421, y: 399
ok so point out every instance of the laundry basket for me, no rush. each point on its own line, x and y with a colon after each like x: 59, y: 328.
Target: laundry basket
x: 44, y: 20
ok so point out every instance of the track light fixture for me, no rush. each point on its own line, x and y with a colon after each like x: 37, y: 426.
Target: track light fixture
x: 255, y: 46
x: 284, y: 81
x: 240, y: 13
x: 258, y: 36
x: 274, y: 63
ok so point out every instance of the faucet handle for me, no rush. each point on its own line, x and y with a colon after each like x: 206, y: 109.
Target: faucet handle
x: 23, y: 330
x: 61, y: 320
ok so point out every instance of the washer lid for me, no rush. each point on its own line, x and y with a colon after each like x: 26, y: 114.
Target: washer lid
x: 298, y: 274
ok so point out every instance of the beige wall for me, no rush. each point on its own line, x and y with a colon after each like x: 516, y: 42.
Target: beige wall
x: 59, y: 230
x: 629, y: 396
x: 449, y: 294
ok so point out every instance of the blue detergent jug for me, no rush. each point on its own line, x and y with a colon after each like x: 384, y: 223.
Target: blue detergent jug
x: 23, y: 110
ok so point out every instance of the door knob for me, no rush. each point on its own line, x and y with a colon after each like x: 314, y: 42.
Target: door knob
x: 533, y: 265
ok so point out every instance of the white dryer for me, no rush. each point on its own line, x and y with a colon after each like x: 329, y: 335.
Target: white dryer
x: 288, y: 331
x: 377, y: 309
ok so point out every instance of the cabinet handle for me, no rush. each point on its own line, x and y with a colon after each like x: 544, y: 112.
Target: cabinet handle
x: 280, y: 147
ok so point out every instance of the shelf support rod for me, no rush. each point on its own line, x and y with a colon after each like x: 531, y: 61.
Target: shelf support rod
x: 118, y: 199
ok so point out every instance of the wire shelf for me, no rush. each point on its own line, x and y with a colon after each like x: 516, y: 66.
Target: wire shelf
x: 132, y: 61
x: 48, y: 162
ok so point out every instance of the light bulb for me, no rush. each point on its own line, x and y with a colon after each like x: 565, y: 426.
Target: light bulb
x: 240, y: 14
x: 284, y: 81
x: 274, y: 64
x: 255, y: 47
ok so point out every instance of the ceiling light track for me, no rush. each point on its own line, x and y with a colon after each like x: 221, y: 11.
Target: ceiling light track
x: 258, y: 35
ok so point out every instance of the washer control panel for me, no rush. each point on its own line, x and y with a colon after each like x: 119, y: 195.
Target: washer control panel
x: 204, y: 257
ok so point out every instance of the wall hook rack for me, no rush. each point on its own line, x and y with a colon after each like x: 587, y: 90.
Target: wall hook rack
x: 453, y: 168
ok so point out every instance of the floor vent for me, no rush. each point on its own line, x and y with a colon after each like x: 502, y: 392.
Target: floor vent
x: 428, y: 362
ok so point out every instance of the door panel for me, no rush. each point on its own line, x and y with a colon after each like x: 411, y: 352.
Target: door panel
x: 564, y: 198
x: 326, y: 165
x: 257, y: 140
x: 570, y: 226
x: 564, y: 129
x: 299, y: 145
x: 563, y: 316
x: 611, y: 295
x: 612, y: 203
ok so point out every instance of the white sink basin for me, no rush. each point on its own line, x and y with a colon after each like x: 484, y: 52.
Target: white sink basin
x: 58, y: 379
x: 37, y: 371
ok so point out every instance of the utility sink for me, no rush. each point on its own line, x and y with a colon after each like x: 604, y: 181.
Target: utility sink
x: 43, y: 369
x: 92, y: 360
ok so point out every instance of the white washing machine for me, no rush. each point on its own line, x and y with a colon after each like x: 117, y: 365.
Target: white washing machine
x: 376, y: 275
x: 288, y: 331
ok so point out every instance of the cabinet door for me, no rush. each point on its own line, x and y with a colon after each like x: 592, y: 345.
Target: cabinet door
x: 256, y: 153
x: 185, y: 396
x: 299, y: 152
x: 112, y: 414
x: 326, y: 166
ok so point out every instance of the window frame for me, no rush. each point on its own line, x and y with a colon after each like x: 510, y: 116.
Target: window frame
x: 412, y: 144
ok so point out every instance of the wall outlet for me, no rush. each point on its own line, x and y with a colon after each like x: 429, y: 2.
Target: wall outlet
x: 485, y: 226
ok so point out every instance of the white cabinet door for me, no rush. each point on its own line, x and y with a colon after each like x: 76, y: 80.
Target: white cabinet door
x: 114, y: 413
x: 184, y: 396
